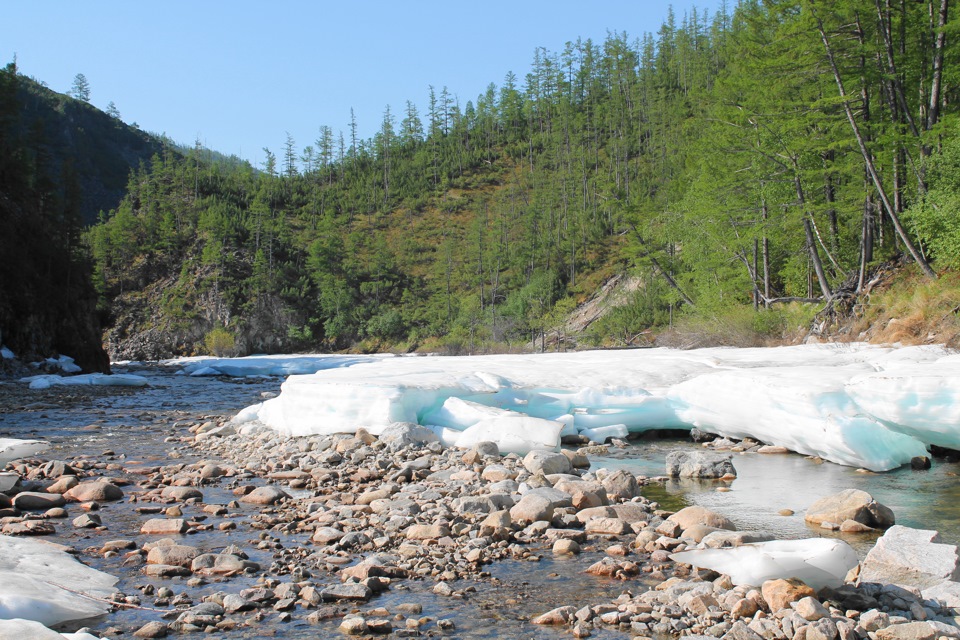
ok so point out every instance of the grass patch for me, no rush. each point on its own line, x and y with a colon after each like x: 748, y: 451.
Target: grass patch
x: 740, y: 327
x: 911, y: 309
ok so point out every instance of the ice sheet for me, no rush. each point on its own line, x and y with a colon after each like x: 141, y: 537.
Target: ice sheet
x: 854, y: 404
x: 97, y: 379
x: 266, y: 365
x: 41, y: 582
x: 819, y: 562
x: 13, y: 449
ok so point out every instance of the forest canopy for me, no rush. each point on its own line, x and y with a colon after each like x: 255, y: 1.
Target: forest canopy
x: 736, y: 160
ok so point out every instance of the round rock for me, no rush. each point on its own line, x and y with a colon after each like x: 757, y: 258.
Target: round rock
x: 98, y: 491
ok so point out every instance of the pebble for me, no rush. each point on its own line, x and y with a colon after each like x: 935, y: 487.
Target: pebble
x: 376, y: 518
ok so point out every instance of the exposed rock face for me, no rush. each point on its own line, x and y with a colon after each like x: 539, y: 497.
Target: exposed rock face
x: 911, y: 557
x: 851, y: 504
x: 699, y: 464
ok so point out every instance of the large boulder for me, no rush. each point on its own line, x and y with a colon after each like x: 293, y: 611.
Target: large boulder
x: 402, y: 434
x: 911, y: 558
x: 547, y: 462
x: 850, y: 504
x: 696, y: 515
x: 621, y: 485
x: 778, y: 594
x: 699, y: 464
x: 532, y: 508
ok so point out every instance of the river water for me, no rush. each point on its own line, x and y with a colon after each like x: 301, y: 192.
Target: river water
x: 131, y: 427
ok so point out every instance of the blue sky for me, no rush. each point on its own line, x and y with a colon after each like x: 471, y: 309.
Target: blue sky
x: 239, y: 75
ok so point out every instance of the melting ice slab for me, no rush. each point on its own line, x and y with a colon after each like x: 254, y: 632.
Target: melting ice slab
x: 819, y: 562
x: 854, y: 404
x: 40, y: 582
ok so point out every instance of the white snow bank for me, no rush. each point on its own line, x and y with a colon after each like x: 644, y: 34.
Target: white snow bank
x: 12, y: 449
x: 263, y: 365
x: 97, y: 379
x: 853, y: 404
x: 63, y: 363
x: 6, y: 354
x: 41, y: 582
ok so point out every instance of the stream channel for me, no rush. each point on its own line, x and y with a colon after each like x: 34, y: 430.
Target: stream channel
x: 127, y: 428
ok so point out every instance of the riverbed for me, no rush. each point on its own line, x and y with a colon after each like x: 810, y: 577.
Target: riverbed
x: 129, y: 429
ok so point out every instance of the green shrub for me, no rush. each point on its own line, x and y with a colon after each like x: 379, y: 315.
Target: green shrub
x: 220, y: 342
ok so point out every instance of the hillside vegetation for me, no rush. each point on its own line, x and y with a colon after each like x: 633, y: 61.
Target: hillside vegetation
x: 746, y: 168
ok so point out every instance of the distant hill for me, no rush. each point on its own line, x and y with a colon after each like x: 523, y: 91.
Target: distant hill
x: 82, y: 146
x: 62, y: 161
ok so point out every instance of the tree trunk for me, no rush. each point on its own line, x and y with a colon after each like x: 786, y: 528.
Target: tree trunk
x: 868, y: 159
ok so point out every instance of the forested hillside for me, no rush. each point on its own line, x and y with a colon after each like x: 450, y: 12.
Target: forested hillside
x: 739, y: 161
x: 61, y: 162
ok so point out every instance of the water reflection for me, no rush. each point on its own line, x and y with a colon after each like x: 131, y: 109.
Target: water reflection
x: 766, y: 485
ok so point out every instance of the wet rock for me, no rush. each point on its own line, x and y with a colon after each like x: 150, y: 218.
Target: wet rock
x: 211, y: 471
x: 221, y: 564
x: 354, y: 626
x: 164, y: 526
x: 699, y: 464
x: 181, y: 494
x: 177, y: 554
x: 697, y: 532
x: 96, y: 491
x: 852, y: 526
x: 778, y: 594
x: 722, y: 539
x: 560, y: 615
x: 851, y: 504
x: 910, y: 557
x: 118, y: 545
x: 87, y: 521
x: 265, y: 495
x: 29, y: 528
x: 696, y: 515
x: 232, y: 603
x: 155, y: 629
x: 547, y: 462
x: 165, y: 570
x: 63, y: 484
x: 565, y: 547
x: 346, y: 591
x: 920, y: 463
x: 772, y: 449
x: 621, y: 485
x: 37, y: 501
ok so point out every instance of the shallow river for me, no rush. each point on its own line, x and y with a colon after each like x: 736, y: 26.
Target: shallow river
x: 129, y: 427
